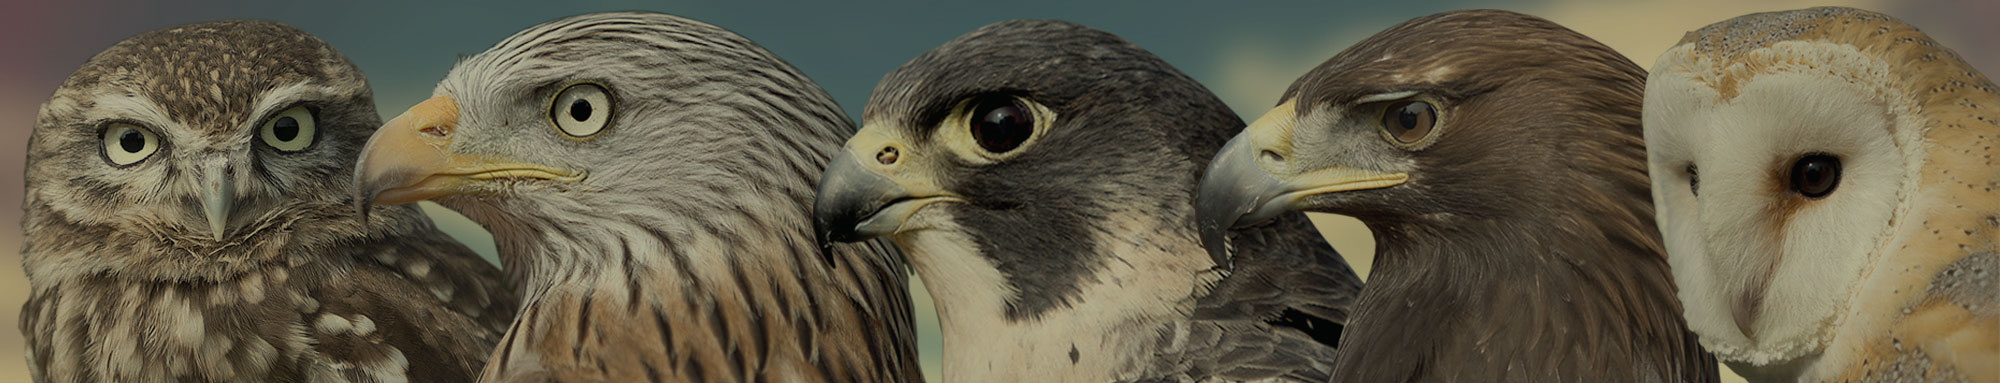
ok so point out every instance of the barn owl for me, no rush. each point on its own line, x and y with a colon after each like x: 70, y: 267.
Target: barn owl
x: 1825, y: 180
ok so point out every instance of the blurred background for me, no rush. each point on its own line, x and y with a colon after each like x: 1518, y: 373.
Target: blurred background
x: 1245, y: 51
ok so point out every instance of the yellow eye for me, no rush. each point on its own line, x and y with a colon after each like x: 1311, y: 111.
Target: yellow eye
x: 581, y: 110
x: 291, y: 130
x: 1409, y: 122
x: 126, y: 144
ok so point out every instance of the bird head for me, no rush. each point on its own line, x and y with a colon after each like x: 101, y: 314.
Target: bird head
x: 1425, y: 124
x: 1028, y: 142
x: 1792, y: 153
x: 201, y: 137
x: 630, y: 117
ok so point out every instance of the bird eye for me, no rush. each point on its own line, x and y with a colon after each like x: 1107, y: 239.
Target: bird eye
x: 1001, y: 124
x: 1694, y: 181
x: 291, y: 130
x: 581, y: 110
x: 1815, y: 175
x: 1408, y: 122
x: 126, y: 144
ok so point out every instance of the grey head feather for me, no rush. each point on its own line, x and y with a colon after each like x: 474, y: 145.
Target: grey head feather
x: 1131, y: 137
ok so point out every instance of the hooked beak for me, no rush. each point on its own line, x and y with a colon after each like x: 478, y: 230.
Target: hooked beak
x: 1249, y: 183
x: 864, y: 197
x: 218, y: 194
x: 410, y: 159
x: 857, y: 204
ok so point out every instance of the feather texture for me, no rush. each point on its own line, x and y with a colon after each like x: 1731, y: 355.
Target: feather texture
x: 686, y: 253
x: 1521, y: 247
x: 1075, y: 257
x: 130, y: 284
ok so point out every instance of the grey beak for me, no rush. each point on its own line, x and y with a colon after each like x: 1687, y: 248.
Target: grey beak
x: 849, y: 198
x: 1235, y: 192
x: 217, y: 194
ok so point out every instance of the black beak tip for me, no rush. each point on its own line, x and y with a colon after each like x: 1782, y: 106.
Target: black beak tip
x: 1216, y: 240
x: 825, y: 248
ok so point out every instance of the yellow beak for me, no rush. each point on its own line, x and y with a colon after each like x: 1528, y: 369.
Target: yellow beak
x: 1255, y: 178
x: 410, y: 159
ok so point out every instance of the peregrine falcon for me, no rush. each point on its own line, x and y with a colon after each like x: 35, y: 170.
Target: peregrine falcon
x: 188, y: 219
x: 1825, y: 179
x: 1497, y: 159
x: 649, y: 180
x: 1042, y: 175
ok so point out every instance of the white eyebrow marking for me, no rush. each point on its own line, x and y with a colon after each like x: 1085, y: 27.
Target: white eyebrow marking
x: 1385, y: 96
x: 280, y: 97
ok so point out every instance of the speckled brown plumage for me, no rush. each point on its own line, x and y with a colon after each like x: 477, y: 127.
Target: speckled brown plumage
x: 130, y: 284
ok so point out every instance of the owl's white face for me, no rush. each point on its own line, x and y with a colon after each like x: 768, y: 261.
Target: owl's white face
x: 1774, y: 199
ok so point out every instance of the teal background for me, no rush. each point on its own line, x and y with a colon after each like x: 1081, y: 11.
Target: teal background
x: 1246, y: 51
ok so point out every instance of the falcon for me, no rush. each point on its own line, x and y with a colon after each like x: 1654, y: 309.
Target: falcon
x: 649, y: 182
x: 188, y: 219
x: 1496, y: 157
x: 1041, y: 175
x: 1826, y: 184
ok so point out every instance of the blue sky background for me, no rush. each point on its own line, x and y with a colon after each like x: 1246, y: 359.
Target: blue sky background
x: 1246, y: 51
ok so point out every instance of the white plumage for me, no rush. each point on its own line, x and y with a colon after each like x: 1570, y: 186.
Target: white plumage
x: 1889, y: 274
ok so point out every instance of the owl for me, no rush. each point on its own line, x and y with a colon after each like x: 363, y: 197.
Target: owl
x: 189, y: 217
x: 1825, y: 180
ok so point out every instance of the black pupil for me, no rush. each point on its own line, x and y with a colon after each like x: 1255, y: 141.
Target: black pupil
x: 1410, y: 122
x: 1816, y: 175
x: 1001, y: 125
x: 579, y: 110
x: 1410, y: 116
x: 286, y: 128
x: 132, y: 141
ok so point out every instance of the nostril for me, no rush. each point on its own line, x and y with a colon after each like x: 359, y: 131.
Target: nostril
x: 434, y: 131
x: 887, y: 156
x: 1272, y: 156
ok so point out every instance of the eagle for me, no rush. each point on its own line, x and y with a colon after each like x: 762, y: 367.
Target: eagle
x: 1496, y: 158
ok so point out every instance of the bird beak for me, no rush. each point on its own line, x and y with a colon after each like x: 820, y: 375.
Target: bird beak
x: 218, y: 193
x: 857, y: 202
x: 410, y: 159
x: 1249, y: 182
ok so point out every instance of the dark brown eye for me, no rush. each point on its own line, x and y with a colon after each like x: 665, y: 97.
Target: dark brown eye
x: 1694, y: 181
x: 1815, y: 175
x: 1001, y: 124
x: 1409, y: 121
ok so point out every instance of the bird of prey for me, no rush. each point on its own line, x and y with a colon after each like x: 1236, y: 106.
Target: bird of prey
x: 1826, y: 184
x: 649, y: 181
x: 1041, y: 176
x: 188, y: 219
x: 1497, y: 159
